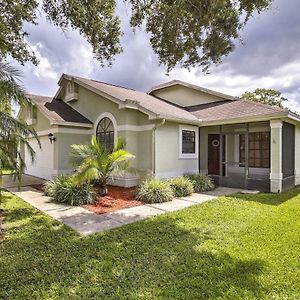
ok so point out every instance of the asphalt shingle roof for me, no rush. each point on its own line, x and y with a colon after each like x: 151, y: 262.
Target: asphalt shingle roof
x: 148, y: 102
x: 236, y: 109
x: 224, y: 110
x: 57, y: 110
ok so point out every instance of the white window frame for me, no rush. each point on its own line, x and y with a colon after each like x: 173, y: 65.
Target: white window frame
x: 114, y: 121
x: 189, y: 155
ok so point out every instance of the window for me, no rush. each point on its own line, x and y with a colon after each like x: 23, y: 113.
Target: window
x: 105, y: 133
x: 259, y: 150
x: 188, y: 142
x: 31, y: 112
x: 69, y: 87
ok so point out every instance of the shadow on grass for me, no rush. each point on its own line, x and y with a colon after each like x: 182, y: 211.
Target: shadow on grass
x: 268, y: 198
x: 16, y: 214
x: 153, y: 259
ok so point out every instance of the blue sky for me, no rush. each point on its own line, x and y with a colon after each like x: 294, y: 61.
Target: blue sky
x: 269, y: 57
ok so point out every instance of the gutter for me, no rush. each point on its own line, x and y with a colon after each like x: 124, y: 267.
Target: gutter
x: 72, y: 124
x: 153, y: 143
x: 245, y: 120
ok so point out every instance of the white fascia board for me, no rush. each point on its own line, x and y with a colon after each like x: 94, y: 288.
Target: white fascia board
x: 244, y: 120
x: 294, y: 116
x: 192, y: 87
x: 73, y: 124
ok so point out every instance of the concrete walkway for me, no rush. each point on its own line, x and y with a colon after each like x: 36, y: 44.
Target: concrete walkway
x: 86, y: 222
x: 27, y: 180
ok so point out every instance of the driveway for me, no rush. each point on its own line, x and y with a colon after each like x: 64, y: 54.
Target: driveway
x: 27, y: 180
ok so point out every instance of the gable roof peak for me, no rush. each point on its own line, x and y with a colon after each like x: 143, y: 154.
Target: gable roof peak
x: 72, y: 77
x: 193, y: 87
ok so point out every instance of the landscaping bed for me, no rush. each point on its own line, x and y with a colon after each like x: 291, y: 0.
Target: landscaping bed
x: 116, y: 199
x: 39, y: 187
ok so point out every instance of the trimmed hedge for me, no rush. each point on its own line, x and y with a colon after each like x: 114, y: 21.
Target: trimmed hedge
x: 181, y: 186
x: 201, y: 182
x: 154, y: 191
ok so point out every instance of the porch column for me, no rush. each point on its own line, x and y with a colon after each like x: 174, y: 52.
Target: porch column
x: 297, y: 155
x: 276, y: 156
x: 203, y: 150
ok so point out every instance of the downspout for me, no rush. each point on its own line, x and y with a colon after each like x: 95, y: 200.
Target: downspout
x: 153, y: 143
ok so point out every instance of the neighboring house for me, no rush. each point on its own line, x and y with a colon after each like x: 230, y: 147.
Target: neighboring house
x: 173, y: 129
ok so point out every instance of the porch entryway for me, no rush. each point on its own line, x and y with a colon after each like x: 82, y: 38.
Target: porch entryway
x: 254, y: 156
x: 240, y: 160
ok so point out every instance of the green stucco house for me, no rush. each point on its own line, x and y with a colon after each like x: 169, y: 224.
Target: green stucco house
x: 173, y: 129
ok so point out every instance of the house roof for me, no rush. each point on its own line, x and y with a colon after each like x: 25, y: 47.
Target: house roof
x: 191, y: 86
x: 57, y: 111
x: 136, y: 100
x: 224, y: 111
x: 228, y: 111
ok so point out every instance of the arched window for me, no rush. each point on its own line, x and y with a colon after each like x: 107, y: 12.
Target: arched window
x: 105, y: 133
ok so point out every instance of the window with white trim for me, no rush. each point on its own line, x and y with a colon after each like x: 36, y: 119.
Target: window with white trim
x: 105, y: 133
x: 188, y: 142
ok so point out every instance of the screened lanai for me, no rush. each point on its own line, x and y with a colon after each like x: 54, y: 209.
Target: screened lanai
x: 254, y: 156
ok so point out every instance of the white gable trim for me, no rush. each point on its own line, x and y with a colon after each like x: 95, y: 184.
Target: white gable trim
x: 192, y: 87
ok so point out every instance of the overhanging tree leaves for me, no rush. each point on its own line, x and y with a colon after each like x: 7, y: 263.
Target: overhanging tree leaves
x: 182, y: 32
x: 266, y: 96
x: 13, y: 132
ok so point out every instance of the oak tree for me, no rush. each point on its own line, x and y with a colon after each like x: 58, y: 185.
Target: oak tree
x: 266, y: 96
x: 182, y: 33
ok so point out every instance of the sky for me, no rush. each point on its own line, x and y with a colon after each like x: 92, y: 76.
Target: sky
x: 268, y: 57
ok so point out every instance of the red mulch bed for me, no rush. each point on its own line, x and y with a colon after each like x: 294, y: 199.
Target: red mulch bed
x: 39, y: 187
x: 117, y: 198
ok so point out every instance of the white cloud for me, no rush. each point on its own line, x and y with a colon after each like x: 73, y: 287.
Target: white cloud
x: 45, y: 69
x: 266, y: 60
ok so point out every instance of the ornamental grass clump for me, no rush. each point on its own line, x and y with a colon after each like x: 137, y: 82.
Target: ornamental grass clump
x: 201, y: 182
x: 154, y: 191
x: 67, y: 190
x: 181, y: 186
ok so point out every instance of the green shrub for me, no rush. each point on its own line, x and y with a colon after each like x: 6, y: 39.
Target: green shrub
x: 154, y: 191
x: 201, y: 182
x: 51, y: 186
x: 181, y: 186
x: 65, y: 189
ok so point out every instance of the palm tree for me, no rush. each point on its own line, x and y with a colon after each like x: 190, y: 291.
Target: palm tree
x: 95, y: 162
x: 13, y: 132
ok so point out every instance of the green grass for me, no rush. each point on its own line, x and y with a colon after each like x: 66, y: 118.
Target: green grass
x: 241, y: 247
x: 6, y: 172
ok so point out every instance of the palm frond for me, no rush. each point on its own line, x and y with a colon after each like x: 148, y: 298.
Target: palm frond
x: 120, y: 144
x: 79, y: 153
x: 95, y: 162
x: 13, y: 132
x: 11, y: 89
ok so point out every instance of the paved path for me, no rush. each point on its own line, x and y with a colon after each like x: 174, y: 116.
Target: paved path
x: 27, y: 180
x: 87, y: 222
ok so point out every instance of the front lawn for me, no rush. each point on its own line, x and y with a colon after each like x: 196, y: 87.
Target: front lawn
x: 239, y: 247
x: 6, y: 172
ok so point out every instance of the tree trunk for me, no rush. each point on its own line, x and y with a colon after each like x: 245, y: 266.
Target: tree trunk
x: 103, y: 188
